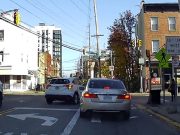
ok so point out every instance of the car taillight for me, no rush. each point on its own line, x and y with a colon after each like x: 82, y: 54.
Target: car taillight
x: 106, y: 88
x: 125, y: 96
x: 89, y: 95
x: 69, y: 86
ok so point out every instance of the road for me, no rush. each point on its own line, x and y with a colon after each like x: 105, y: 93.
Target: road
x: 30, y: 115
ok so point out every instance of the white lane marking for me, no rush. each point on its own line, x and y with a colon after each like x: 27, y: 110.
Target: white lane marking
x: 21, y: 101
x: 71, y: 124
x: 49, y: 121
x: 133, y: 117
x: 10, y: 133
x: 96, y: 120
x: 47, y: 109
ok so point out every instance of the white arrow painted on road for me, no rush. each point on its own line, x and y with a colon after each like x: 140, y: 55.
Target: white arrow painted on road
x: 49, y: 121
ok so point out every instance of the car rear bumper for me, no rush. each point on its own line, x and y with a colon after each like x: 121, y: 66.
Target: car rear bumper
x: 105, y: 107
x: 58, y: 97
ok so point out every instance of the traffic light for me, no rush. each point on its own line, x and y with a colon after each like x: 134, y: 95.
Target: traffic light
x: 139, y: 43
x: 16, y: 18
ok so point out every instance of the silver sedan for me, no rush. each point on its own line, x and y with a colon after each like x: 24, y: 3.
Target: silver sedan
x: 105, y: 95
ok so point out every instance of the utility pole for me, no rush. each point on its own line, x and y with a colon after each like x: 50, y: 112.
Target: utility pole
x: 97, y: 37
x: 89, y: 66
x: 112, y: 70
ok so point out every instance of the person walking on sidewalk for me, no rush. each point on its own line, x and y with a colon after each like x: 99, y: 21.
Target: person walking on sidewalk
x: 1, y: 93
x: 172, y: 89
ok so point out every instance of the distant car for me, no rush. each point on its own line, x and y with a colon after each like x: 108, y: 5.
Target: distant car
x: 63, y: 89
x: 1, y: 93
x: 105, y: 95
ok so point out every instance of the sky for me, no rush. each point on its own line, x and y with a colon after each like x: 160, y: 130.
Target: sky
x: 74, y: 18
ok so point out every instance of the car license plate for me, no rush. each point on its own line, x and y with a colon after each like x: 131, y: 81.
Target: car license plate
x: 107, y: 98
x: 56, y: 87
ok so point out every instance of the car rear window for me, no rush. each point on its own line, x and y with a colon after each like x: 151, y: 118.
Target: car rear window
x: 59, y: 81
x: 101, y: 84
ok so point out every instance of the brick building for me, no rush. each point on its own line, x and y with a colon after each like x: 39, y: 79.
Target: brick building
x: 154, y: 22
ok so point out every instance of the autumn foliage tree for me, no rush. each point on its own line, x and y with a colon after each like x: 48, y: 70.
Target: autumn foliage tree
x: 125, y: 53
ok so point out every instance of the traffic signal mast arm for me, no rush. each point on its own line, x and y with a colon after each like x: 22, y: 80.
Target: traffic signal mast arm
x: 9, y: 11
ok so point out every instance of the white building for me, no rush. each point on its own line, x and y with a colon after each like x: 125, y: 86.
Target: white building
x: 50, y: 40
x: 18, y: 55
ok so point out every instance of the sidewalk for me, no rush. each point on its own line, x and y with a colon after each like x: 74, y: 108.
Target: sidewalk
x: 23, y: 92
x: 168, y: 111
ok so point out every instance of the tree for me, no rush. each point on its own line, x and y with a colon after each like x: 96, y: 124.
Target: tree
x: 124, y: 53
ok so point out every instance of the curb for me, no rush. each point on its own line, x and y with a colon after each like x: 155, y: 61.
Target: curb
x: 24, y: 93
x: 159, y: 115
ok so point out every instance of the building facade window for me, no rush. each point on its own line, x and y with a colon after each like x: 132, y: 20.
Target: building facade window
x: 172, y: 23
x: 154, y: 23
x: 155, y: 46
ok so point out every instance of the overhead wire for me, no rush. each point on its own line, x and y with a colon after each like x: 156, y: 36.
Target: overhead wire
x: 44, y: 21
x: 79, y: 8
x: 52, y: 17
x: 69, y: 16
x: 28, y: 30
x: 26, y: 10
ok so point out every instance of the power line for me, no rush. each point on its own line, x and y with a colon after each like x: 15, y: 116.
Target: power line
x: 43, y: 13
x: 52, y: 17
x: 78, y: 8
x: 28, y: 30
x: 26, y: 10
x: 64, y: 12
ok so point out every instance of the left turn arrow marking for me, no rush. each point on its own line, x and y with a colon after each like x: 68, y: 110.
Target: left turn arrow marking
x: 49, y: 121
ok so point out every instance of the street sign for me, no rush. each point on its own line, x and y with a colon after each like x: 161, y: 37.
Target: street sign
x: 175, y: 61
x: 173, y: 45
x: 163, y: 58
x: 111, y: 68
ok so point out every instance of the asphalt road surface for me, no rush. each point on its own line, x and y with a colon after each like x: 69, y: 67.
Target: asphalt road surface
x: 31, y: 115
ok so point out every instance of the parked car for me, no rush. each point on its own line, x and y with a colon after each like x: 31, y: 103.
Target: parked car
x: 63, y: 89
x: 1, y: 93
x: 105, y: 95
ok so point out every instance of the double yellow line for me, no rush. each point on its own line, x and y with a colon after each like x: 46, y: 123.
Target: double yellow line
x: 6, y: 111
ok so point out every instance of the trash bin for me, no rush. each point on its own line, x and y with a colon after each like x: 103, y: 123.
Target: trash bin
x: 155, y: 96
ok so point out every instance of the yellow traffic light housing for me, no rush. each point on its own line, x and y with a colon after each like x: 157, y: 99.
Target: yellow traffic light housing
x: 139, y: 42
x: 17, y: 18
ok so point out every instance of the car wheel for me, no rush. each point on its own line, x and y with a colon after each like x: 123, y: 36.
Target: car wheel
x: 1, y: 98
x: 126, y: 115
x: 75, y: 99
x: 83, y: 114
x: 49, y: 101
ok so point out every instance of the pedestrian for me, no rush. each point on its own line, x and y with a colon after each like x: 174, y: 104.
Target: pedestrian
x: 1, y: 93
x: 172, y: 89
x: 37, y: 87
